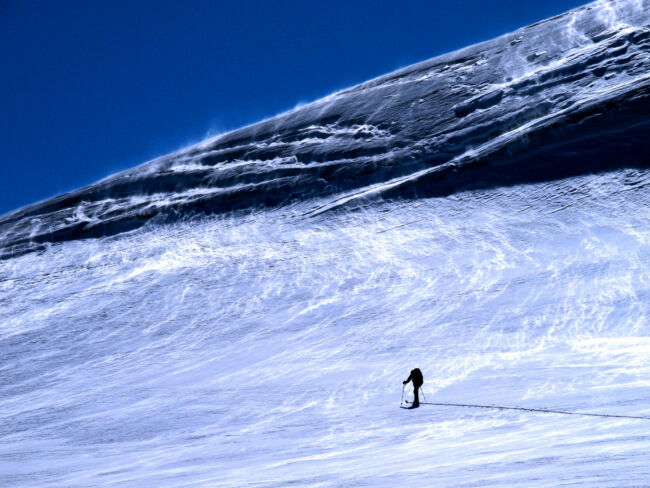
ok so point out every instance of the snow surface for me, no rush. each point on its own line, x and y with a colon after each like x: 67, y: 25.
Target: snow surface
x: 269, y: 350
x: 504, y: 257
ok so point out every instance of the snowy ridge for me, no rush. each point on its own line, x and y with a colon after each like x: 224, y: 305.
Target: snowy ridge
x: 493, y: 105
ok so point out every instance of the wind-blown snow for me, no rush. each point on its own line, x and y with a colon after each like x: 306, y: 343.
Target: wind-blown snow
x: 481, y: 116
x: 483, y: 216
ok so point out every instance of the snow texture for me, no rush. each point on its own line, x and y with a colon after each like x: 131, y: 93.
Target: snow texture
x: 242, y: 313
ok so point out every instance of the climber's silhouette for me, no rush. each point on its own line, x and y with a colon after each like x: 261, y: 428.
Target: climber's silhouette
x: 416, y: 378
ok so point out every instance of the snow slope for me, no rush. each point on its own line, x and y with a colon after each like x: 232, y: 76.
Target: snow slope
x: 242, y: 313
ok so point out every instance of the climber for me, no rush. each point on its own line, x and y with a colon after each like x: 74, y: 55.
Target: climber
x: 416, y: 378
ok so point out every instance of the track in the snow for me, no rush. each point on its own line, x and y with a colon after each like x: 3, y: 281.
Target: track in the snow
x: 538, y: 410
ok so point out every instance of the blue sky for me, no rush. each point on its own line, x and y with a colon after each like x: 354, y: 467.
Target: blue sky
x: 88, y: 88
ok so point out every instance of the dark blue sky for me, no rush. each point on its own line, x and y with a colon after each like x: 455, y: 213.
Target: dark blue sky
x: 89, y: 88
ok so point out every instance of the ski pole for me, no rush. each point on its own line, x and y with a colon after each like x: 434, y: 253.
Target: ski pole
x: 423, y: 395
x: 402, y: 401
